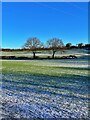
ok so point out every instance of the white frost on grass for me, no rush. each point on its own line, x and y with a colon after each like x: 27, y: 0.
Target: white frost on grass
x: 33, y: 96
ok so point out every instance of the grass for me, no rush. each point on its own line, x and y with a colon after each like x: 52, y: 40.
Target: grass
x: 50, y: 85
x: 42, y: 68
x: 45, y: 53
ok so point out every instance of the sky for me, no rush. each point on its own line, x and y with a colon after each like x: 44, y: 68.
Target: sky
x: 44, y: 20
x: 45, y: 0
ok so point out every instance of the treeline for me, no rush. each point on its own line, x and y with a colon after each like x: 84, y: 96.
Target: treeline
x: 55, y: 44
x: 31, y: 49
x: 86, y: 46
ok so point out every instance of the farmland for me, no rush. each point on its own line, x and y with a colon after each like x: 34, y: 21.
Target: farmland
x: 45, y: 88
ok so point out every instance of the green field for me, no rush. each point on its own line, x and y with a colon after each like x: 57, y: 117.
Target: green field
x: 46, y: 67
x: 45, y: 88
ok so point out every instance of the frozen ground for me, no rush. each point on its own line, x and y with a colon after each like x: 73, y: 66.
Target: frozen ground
x: 65, y: 95
x: 27, y: 96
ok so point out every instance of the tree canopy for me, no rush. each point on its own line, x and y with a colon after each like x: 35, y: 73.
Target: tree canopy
x: 55, y: 42
x: 33, y: 43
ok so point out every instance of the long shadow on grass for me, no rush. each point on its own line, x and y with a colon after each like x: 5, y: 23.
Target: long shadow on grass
x: 44, y: 96
x: 61, y: 86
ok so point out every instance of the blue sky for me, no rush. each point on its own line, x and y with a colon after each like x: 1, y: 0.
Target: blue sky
x: 44, y: 20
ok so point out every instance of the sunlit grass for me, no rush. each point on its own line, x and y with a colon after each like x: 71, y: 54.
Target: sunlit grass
x: 42, y: 68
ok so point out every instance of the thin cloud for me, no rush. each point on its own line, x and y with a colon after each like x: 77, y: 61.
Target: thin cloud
x: 55, y: 9
x: 77, y: 6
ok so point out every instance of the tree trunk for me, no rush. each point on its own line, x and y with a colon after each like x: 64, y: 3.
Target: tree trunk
x: 53, y: 54
x: 34, y: 55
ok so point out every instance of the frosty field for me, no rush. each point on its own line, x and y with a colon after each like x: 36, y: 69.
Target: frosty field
x: 45, y: 89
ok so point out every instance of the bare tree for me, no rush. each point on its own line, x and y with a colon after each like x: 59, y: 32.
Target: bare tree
x: 55, y: 43
x: 33, y: 43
